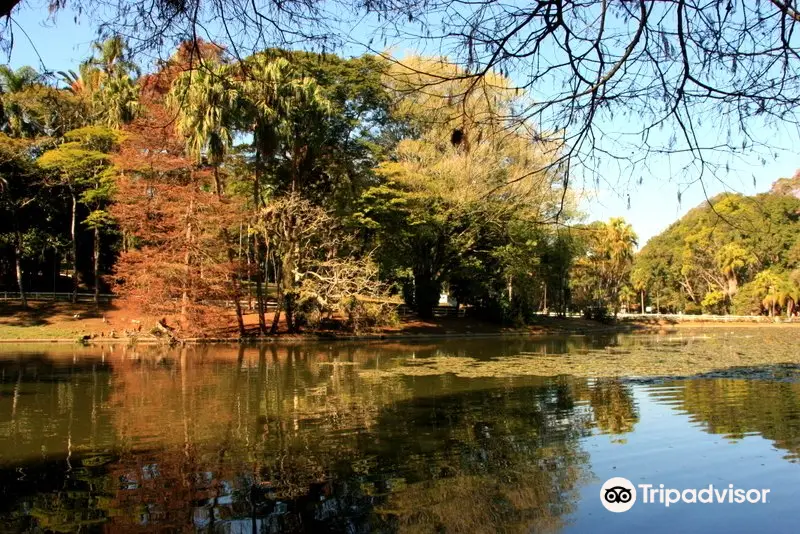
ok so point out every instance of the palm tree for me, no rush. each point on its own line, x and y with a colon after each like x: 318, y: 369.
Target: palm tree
x: 273, y: 93
x: 107, y: 83
x: 113, y: 57
x: 84, y: 83
x: 620, y: 242
x: 117, y: 102
x: 12, y: 115
x: 206, y: 103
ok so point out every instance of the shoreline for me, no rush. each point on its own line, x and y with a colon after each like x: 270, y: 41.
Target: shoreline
x: 542, y: 330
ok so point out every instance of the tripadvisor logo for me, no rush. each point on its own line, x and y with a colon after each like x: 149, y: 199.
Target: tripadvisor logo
x: 618, y: 494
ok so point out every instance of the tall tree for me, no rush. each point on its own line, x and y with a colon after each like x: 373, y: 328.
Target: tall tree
x: 274, y: 92
x: 20, y: 185
x: 78, y: 167
x: 445, y: 193
x: 206, y: 100
x: 604, y: 267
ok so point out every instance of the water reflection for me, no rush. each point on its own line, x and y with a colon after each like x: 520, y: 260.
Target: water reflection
x: 319, y: 438
x: 736, y: 408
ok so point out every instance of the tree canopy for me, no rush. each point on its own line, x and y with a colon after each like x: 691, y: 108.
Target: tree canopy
x: 727, y: 256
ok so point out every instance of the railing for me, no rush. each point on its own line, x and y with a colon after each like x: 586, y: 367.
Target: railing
x: 49, y: 295
x: 438, y: 311
x: 679, y: 317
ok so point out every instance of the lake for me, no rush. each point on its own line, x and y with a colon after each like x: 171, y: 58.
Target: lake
x: 476, y: 435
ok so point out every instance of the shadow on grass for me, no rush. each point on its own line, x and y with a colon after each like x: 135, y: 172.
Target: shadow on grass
x: 45, y: 313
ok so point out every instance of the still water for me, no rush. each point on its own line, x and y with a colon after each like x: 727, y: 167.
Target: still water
x: 493, y: 435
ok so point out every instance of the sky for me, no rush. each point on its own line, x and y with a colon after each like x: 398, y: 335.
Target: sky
x: 61, y: 43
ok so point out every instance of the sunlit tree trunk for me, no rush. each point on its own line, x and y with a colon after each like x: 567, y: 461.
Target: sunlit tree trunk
x: 217, y: 184
x: 96, y: 267
x: 234, y: 277
x: 187, y: 260
x: 287, y: 273
x: 18, y: 267
x: 276, y: 318
x: 74, y: 248
x: 262, y: 321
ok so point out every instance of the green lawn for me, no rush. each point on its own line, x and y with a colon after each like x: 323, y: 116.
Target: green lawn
x: 54, y: 331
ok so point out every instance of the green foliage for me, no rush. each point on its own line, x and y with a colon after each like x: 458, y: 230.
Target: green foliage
x: 711, y: 257
x: 427, y: 171
x: 604, y: 265
x: 457, y: 208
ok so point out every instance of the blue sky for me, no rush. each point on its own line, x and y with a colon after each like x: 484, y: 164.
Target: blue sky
x: 61, y: 44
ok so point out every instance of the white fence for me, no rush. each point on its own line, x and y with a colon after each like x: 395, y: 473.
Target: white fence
x: 685, y: 318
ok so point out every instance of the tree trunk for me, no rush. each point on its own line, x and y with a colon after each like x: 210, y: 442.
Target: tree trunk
x: 74, y: 249
x: 234, y: 277
x: 262, y: 321
x: 276, y: 318
x: 96, y: 267
x: 217, y: 185
x: 18, y: 265
x: 187, y: 260
x: 642, y: 310
x: 426, y: 292
x: 287, y: 274
x: 237, y: 292
x: 545, y: 299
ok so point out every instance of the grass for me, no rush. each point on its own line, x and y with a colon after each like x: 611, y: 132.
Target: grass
x: 49, y: 320
x: 67, y: 321
x: 39, y: 332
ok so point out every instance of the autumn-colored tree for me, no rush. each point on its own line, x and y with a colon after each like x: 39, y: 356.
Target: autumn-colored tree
x: 174, y: 258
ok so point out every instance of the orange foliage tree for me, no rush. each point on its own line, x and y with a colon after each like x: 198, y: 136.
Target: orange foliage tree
x: 177, y: 257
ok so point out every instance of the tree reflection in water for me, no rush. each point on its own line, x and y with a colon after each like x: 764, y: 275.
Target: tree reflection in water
x: 768, y: 404
x: 290, y: 438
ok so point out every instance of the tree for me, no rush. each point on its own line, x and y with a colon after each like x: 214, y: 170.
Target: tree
x: 274, y: 95
x: 19, y: 189
x: 604, y: 268
x: 111, y: 72
x: 29, y: 108
x: 441, y: 197
x: 175, y: 257
x: 658, y: 65
x: 99, y: 190
x: 112, y: 57
x: 14, y: 81
x: 705, y: 258
x: 117, y: 101
x: 207, y: 102
x: 84, y: 172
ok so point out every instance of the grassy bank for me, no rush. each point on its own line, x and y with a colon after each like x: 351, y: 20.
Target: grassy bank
x: 60, y: 321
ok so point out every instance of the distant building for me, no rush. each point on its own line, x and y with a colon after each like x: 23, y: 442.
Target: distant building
x: 446, y: 300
